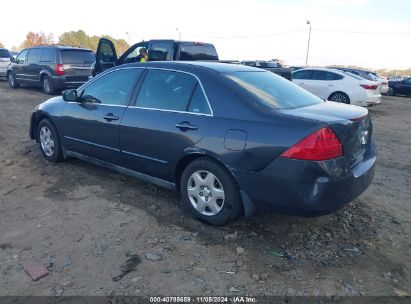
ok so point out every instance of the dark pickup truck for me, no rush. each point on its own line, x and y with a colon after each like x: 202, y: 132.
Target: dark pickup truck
x: 158, y: 50
x: 169, y: 50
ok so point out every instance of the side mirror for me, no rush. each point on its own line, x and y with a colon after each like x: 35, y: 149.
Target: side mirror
x: 69, y: 95
x: 12, y: 59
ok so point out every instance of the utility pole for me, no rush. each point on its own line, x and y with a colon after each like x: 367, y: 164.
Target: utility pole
x: 127, y: 33
x: 308, y: 46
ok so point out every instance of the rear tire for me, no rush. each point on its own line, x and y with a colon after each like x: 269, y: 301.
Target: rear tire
x: 49, y: 141
x: 210, y: 192
x: 47, y: 85
x: 12, y: 81
x: 339, y: 97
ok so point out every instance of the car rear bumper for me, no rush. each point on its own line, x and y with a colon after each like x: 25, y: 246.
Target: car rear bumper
x: 63, y: 82
x: 304, y: 187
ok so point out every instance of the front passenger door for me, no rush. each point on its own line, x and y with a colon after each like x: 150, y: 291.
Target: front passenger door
x: 91, y: 125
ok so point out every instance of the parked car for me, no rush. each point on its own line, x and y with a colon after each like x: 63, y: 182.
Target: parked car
x: 339, y: 86
x: 275, y: 66
x: 371, y: 76
x: 52, y: 67
x: 229, y: 138
x: 158, y: 50
x: 5, y: 59
x: 401, y: 87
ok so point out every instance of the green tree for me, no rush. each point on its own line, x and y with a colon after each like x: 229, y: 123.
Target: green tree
x: 33, y: 39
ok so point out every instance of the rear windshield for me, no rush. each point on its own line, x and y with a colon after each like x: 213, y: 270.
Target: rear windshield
x: 198, y: 52
x: 77, y: 57
x: 4, y: 54
x: 273, y: 91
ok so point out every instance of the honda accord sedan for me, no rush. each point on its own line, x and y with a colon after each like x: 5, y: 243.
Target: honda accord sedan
x: 231, y: 139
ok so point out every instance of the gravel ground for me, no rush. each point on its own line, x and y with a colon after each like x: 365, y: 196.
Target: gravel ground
x: 83, y: 222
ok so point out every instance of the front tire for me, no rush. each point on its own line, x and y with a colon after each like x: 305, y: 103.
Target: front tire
x: 210, y: 192
x: 339, y: 97
x: 47, y: 85
x: 12, y: 81
x: 49, y: 141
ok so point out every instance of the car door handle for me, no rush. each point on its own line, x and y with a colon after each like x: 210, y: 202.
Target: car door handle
x: 185, y: 125
x: 110, y: 117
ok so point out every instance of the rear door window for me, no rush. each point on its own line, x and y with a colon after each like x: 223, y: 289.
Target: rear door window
x: 199, y: 103
x: 166, y: 90
x: 77, y: 57
x: 161, y: 50
x: 325, y: 75
x: 34, y: 56
x: 47, y: 55
x: 198, y: 52
x: 302, y: 74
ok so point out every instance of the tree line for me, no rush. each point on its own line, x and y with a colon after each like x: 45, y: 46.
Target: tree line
x: 73, y: 38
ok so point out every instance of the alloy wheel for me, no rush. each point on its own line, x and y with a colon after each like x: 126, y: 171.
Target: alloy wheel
x: 339, y: 97
x: 47, y: 141
x: 206, y: 193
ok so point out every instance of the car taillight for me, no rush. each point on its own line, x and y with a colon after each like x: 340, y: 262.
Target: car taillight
x: 59, y: 69
x: 321, y: 145
x: 384, y: 83
x: 369, y: 86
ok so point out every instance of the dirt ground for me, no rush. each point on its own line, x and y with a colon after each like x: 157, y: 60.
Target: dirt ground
x: 83, y: 222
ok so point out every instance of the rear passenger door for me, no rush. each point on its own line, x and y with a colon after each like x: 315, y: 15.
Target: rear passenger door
x: 324, y: 83
x: 170, y: 114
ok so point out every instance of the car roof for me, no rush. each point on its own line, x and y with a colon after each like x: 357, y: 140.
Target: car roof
x: 320, y: 69
x: 204, y: 65
x: 61, y: 47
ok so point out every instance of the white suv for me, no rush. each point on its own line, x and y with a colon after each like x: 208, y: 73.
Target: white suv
x: 338, y: 86
x: 4, y: 61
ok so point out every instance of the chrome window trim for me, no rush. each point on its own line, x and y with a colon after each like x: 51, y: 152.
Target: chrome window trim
x: 98, y: 104
x: 175, y: 111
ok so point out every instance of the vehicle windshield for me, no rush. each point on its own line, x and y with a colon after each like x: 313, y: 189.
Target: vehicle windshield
x: 77, y: 57
x: 4, y: 54
x: 272, y: 90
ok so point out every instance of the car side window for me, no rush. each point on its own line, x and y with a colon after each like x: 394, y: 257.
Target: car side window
x: 160, y: 51
x: 134, y: 53
x: 21, y: 58
x: 112, y: 88
x: 47, y: 55
x: 34, y: 56
x: 166, y: 90
x: 303, y: 74
x: 407, y: 81
x: 324, y: 75
x: 198, y: 103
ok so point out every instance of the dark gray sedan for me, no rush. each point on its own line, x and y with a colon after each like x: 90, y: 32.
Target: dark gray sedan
x: 232, y: 139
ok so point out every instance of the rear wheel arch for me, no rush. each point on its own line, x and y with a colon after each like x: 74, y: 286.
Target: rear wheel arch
x: 185, y: 161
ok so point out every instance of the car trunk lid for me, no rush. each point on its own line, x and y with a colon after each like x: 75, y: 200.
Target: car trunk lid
x: 351, y: 124
x: 77, y: 64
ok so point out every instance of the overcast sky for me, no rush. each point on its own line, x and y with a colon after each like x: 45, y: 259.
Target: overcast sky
x: 259, y: 29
